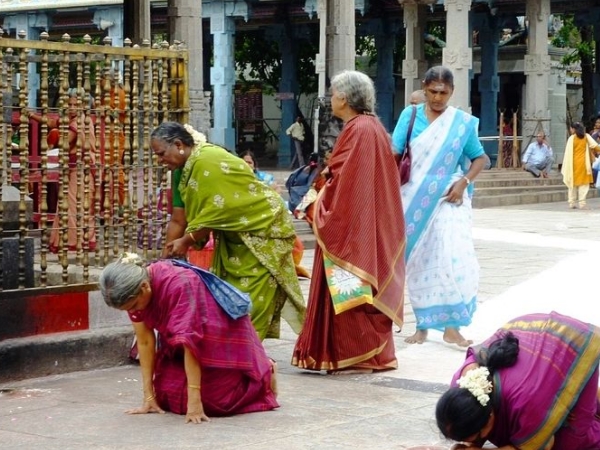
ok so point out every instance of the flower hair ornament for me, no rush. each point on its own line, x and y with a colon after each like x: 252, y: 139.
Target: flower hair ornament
x: 477, y: 382
x: 131, y: 258
x: 199, y: 138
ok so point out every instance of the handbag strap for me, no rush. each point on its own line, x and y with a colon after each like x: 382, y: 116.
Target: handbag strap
x: 406, y: 153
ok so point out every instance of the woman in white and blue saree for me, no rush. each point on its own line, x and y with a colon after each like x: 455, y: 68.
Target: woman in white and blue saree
x: 441, y: 266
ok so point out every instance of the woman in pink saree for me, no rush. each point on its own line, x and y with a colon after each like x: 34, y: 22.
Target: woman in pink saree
x: 205, y: 363
x: 532, y: 386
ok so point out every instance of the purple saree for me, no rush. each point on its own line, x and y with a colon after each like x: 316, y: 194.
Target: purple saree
x: 236, y: 372
x: 552, y: 389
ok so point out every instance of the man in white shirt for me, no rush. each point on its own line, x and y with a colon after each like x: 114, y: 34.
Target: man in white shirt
x: 538, y: 158
x: 296, y: 131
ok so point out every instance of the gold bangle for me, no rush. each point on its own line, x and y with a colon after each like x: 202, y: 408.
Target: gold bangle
x: 150, y: 398
x: 194, y: 386
x: 192, y: 236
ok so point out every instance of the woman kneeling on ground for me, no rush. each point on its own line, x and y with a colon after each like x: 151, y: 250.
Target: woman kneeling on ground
x: 206, y: 363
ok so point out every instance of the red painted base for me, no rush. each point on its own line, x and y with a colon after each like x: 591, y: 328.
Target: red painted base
x: 44, y: 314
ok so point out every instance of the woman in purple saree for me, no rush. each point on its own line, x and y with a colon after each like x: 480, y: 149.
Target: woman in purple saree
x: 533, y: 385
x: 206, y: 363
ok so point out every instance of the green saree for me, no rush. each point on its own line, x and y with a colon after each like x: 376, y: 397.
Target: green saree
x: 253, y: 232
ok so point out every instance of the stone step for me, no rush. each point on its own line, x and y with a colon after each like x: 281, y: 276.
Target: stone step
x: 513, y: 181
x: 509, y: 173
x: 517, y: 189
x: 524, y: 198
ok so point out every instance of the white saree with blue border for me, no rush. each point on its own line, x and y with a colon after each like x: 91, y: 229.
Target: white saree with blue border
x: 442, y: 268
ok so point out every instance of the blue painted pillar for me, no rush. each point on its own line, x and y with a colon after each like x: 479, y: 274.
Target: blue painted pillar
x: 597, y: 71
x: 489, y: 81
x: 111, y: 20
x: 384, y: 82
x: 222, y: 77
x: 287, y: 86
x: 32, y: 25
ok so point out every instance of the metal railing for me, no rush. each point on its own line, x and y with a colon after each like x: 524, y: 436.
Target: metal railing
x: 79, y: 182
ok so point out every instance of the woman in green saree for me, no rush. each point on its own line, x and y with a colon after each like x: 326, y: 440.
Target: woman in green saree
x: 253, y: 232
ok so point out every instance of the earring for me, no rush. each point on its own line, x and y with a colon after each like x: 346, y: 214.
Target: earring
x: 181, y: 152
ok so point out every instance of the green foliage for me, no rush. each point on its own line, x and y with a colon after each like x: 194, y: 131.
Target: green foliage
x: 569, y: 37
x: 258, y: 58
x: 365, y: 47
x: 438, y: 31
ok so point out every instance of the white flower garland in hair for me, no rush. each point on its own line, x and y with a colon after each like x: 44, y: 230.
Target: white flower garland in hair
x: 199, y: 138
x: 130, y: 258
x: 477, y: 382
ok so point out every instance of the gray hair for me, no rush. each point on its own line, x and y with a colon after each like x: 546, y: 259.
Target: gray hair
x: 169, y: 131
x: 357, y: 88
x: 122, y: 280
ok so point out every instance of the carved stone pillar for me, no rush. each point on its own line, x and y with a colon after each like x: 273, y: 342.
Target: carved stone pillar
x: 341, y: 31
x: 458, y: 55
x: 185, y: 25
x: 414, y: 64
x: 557, y: 99
x: 536, y: 114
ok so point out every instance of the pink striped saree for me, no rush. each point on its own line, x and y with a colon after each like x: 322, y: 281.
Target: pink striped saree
x: 552, y: 389
x: 236, y: 372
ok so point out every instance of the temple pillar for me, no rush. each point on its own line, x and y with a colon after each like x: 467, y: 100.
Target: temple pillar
x: 32, y: 25
x: 596, y: 75
x: 414, y: 64
x: 111, y: 21
x: 458, y: 55
x: 185, y: 25
x: 284, y: 34
x: 489, y: 82
x: 536, y: 115
x: 136, y: 20
x: 222, y: 72
x: 557, y: 98
x: 321, y: 71
x: 341, y: 35
x: 385, y: 87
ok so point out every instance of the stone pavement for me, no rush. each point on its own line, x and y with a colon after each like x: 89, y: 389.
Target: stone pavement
x: 534, y: 258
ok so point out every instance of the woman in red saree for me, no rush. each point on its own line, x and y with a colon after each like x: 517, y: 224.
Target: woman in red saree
x: 359, y: 226
x: 206, y: 363
x: 532, y: 386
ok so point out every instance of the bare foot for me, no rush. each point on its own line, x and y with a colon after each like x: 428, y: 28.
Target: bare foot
x: 274, y: 387
x: 418, y: 338
x: 453, y: 336
x: 349, y: 372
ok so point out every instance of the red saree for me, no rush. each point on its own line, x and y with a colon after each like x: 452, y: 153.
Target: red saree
x: 236, y: 372
x: 359, y: 225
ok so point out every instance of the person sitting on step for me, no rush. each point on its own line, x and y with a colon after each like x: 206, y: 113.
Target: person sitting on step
x: 538, y: 157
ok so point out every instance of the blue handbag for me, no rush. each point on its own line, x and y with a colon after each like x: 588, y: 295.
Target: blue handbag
x: 233, y: 301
